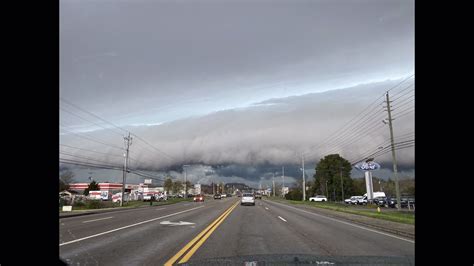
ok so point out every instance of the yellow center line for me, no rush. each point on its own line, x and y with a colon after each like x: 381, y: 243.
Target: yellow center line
x: 205, y: 237
x: 191, y: 243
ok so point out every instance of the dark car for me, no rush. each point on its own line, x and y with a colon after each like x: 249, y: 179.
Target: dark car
x: 380, y: 201
x: 391, y: 202
x: 217, y: 196
x: 229, y: 195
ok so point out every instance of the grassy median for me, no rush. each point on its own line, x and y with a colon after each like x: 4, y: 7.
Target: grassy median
x: 371, y: 211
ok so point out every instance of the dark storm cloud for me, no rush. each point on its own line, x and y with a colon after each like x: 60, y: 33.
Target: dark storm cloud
x: 231, y: 86
x: 250, y: 142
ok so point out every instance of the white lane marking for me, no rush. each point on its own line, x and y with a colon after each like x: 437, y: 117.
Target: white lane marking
x: 120, y: 228
x: 358, y: 226
x: 282, y: 219
x: 266, y: 208
x: 98, y: 219
x: 176, y: 223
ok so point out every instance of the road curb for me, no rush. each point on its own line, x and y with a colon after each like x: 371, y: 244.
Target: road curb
x: 381, y: 228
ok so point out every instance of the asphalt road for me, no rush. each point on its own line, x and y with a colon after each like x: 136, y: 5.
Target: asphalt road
x: 219, y: 229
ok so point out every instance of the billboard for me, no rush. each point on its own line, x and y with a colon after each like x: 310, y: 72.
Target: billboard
x: 147, y: 181
x: 368, y: 166
x: 197, y: 189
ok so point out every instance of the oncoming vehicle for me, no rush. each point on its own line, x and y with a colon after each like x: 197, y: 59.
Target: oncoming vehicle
x: 247, y: 199
x: 217, y: 196
x: 258, y: 195
x: 320, y: 198
x: 198, y: 198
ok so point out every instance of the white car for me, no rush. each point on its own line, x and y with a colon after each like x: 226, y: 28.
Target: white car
x: 355, y: 199
x: 223, y: 196
x: 148, y: 197
x: 247, y: 199
x: 318, y: 198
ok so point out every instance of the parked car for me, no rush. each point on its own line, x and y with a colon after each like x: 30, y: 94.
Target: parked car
x: 352, y: 200
x: 356, y: 199
x: 320, y: 198
x: 348, y: 201
x: 362, y: 200
x: 247, y: 199
x: 380, y: 201
x: 217, y: 196
x: 148, y: 197
x: 198, y: 198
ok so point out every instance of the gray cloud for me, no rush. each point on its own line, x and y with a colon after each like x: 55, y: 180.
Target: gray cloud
x: 235, y: 85
x: 249, y: 142
x: 155, y: 61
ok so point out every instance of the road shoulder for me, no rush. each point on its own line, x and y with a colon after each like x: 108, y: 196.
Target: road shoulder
x: 406, y: 230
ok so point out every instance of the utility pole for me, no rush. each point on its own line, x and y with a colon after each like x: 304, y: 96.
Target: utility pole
x: 128, y: 142
x: 273, y: 180
x: 394, y: 159
x: 304, y: 181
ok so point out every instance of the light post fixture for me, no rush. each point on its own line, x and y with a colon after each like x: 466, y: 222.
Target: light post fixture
x: 185, y: 182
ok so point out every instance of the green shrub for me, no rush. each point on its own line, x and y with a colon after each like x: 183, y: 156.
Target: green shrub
x: 79, y: 204
x: 94, y: 204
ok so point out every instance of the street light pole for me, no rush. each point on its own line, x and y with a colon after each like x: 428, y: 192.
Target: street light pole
x: 283, y: 177
x: 273, y: 180
x: 185, y: 182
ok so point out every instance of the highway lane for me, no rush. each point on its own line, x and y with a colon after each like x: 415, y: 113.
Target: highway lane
x: 148, y: 243
x: 219, y: 231
x: 272, y: 228
x: 81, y: 226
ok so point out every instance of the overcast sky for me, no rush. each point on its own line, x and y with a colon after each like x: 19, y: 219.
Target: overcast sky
x: 231, y: 82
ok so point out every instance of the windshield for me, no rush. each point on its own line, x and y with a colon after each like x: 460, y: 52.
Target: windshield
x: 236, y: 132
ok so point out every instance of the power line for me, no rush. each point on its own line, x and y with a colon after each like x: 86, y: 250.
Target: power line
x: 92, y: 139
x: 108, y: 154
x: 108, y: 122
x: 82, y: 163
x: 165, y: 154
x: 383, y: 151
x: 342, y: 129
x: 398, y: 93
x: 403, y: 104
x: 400, y: 83
x: 404, y: 113
x: 69, y: 112
x: 83, y: 157
x: 359, y: 133
x: 400, y: 137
